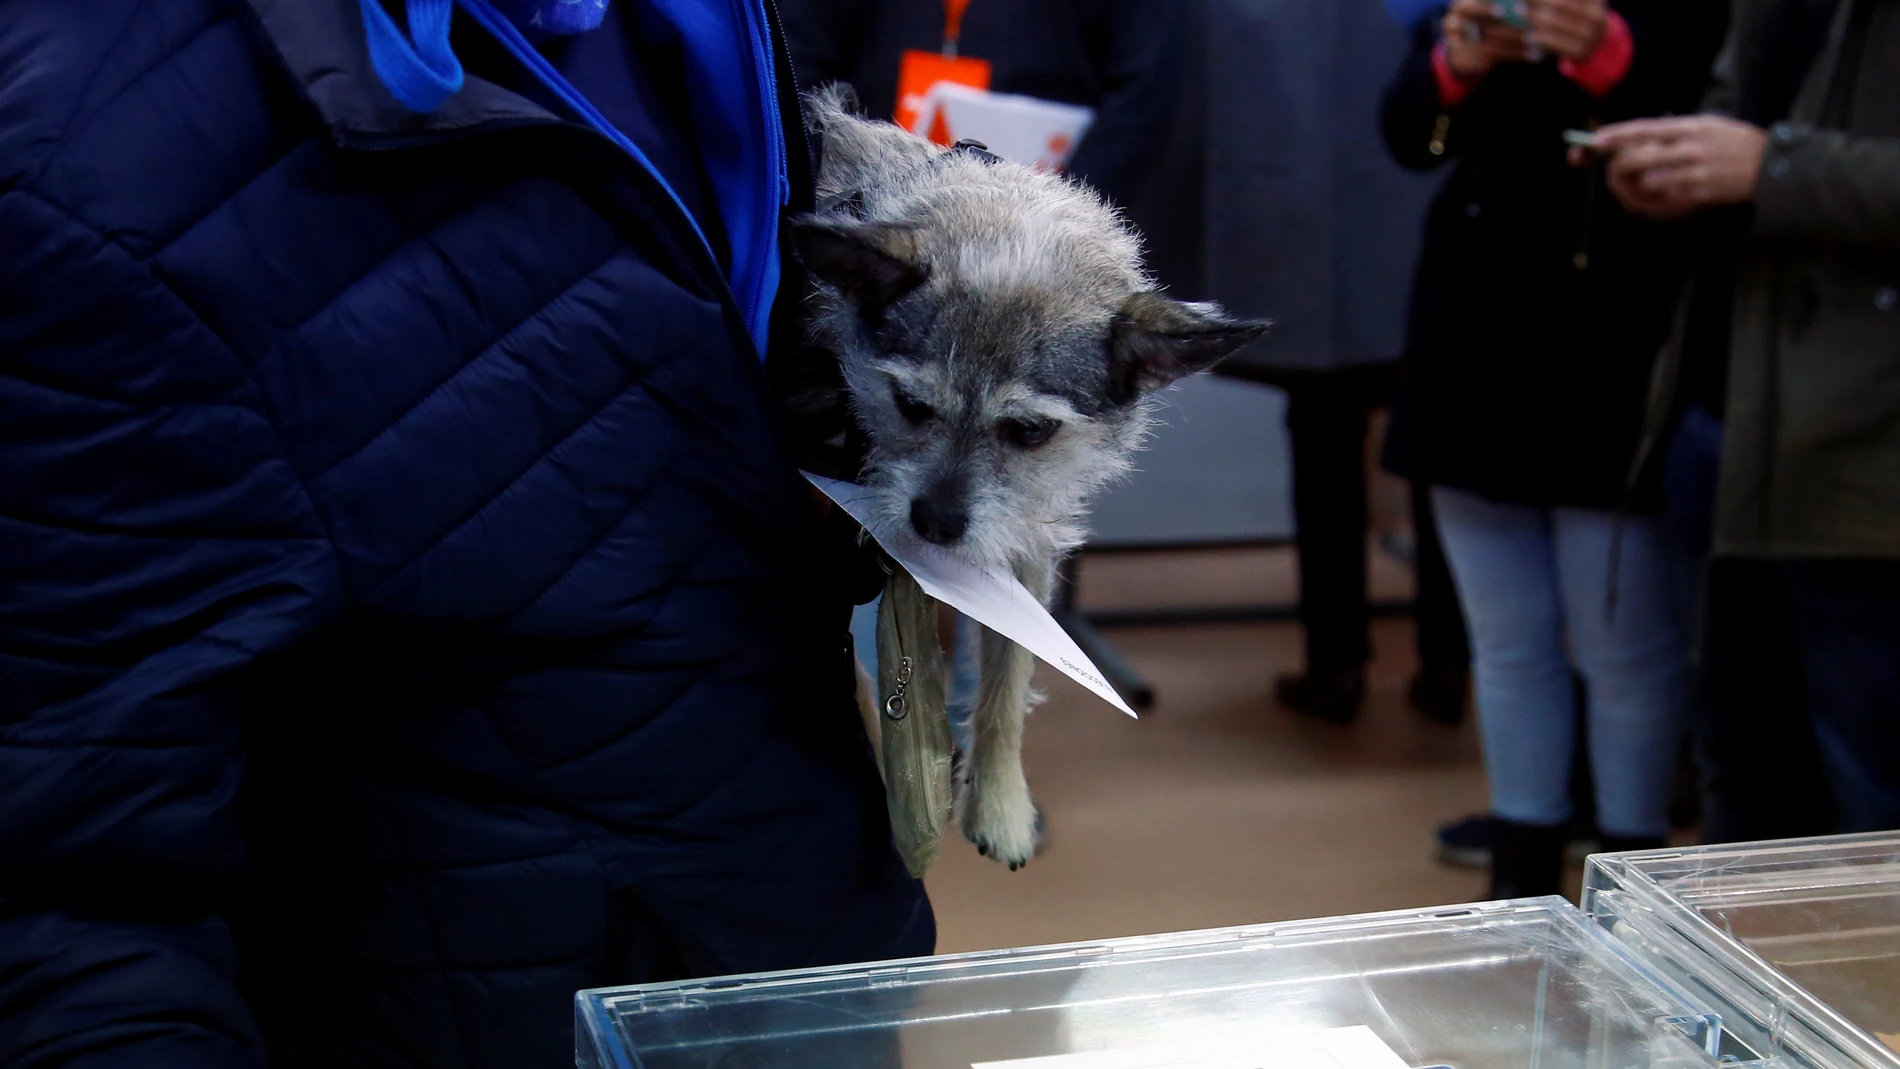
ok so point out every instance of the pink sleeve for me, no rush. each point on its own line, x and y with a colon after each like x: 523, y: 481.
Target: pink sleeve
x: 1451, y: 88
x: 1604, y: 68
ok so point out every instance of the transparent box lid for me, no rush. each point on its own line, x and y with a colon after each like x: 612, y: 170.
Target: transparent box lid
x: 1796, y: 943
x: 1529, y: 983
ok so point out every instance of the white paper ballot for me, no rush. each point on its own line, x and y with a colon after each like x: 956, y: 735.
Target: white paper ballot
x: 998, y: 602
x: 1333, y: 1048
x: 1021, y: 129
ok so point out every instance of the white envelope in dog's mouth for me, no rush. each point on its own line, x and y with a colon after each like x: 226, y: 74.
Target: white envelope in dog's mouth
x: 998, y: 601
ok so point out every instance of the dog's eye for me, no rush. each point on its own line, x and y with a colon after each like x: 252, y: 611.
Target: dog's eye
x: 1030, y: 433
x: 915, y: 412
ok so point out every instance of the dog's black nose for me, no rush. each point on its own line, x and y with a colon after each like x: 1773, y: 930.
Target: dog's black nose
x: 937, y: 520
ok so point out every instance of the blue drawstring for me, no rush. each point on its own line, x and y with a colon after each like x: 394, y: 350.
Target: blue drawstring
x: 420, y: 75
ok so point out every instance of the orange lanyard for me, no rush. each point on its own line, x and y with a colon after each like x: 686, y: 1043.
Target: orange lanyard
x: 953, y: 25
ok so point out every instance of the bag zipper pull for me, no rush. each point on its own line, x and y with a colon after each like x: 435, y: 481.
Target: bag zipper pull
x: 895, y: 707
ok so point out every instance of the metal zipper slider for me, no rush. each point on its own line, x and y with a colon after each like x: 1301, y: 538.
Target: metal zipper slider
x: 895, y: 707
x: 1439, y: 131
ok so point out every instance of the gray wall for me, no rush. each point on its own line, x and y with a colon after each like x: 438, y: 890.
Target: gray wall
x: 1215, y: 470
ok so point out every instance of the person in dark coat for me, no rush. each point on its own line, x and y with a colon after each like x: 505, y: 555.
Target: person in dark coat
x: 1310, y: 223
x: 410, y: 611
x: 1538, y: 307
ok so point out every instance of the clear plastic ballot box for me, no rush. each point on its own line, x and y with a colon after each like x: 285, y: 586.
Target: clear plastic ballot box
x: 1796, y: 944
x: 1496, y: 986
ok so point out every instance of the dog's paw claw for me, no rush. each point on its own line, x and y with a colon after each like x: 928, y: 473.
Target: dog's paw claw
x: 1004, y: 825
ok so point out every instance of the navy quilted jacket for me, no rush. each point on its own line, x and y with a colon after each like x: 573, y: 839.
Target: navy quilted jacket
x: 409, y: 613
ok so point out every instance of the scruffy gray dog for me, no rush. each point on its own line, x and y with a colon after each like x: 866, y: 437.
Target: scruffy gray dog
x: 1000, y: 343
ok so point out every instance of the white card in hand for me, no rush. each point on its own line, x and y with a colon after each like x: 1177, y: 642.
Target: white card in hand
x: 1022, y: 129
x: 998, y: 602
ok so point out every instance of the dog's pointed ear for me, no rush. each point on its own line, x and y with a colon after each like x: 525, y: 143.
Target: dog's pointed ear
x: 871, y: 265
x: 1155, y: 340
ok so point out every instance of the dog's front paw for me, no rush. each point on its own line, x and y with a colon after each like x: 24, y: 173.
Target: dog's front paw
x: 997, y: 814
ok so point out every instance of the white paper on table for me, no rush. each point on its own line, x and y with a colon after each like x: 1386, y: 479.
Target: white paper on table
x: 1357, y: 1047
x: 998, y: 602
x: 1022, y: 129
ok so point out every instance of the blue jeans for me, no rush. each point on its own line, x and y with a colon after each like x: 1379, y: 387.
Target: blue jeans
x: 1534, y: 585
x: 1848, y: 615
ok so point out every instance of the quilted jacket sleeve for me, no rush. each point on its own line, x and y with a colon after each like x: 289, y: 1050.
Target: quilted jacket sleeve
x: 153, y: 544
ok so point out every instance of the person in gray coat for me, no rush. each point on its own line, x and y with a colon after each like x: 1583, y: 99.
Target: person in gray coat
x: 1810, y: 460
x: 1309, y: 222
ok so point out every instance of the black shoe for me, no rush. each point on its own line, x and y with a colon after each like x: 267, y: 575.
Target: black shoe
x: 1466, y: 843
x: 1685, y: 793
x: 1527, y: 860
x: 1623, y: 844
x: 1441, y: 695
x: 1333, y: 695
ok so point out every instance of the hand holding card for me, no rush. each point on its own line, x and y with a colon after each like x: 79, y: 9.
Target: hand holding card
x: 1568, y: 29
x: 1668, y: 167
x: 1477, y: 40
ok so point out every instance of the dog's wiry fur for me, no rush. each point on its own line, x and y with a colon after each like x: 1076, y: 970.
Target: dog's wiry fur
x: 1000, y: 342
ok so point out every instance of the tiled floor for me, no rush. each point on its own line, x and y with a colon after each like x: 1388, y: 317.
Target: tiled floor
x: 1218, y: 807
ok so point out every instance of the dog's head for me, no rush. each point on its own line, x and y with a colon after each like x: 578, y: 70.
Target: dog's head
x: 999, y: 338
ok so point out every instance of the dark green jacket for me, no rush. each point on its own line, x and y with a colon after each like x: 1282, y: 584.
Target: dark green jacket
x: 1811, y: 460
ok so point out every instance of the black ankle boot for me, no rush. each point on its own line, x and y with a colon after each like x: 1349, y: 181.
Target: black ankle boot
x: 1330, y: 694
x: 1622, y: 844
x: 1527, y: 860
x: 1441, y: 695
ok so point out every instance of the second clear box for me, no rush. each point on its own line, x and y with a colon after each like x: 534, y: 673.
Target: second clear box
x: 1795, y: 943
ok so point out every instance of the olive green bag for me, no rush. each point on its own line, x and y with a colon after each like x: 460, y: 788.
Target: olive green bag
x: 913, y: 720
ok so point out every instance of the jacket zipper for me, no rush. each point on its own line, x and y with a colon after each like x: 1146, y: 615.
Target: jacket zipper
x: 799, y: 193
x: 767, y: 73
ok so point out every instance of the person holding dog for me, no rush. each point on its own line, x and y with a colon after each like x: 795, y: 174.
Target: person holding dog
x: 410, y: 608
x: 1797, y: 153
x: 1538, y: 306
